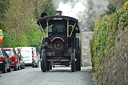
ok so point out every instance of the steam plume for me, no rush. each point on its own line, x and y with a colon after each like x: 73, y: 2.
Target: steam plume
x: 86, y: 11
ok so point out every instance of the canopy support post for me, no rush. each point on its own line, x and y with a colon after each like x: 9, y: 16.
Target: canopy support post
x: 42, y: 30
x: 67, y: 28
x: 47, y: 28
x: 72, y: 29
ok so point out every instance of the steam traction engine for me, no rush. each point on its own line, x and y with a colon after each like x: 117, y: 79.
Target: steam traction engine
x: 60, y: 45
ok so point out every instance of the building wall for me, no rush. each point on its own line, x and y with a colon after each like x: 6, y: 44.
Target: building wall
x: 85, y: 48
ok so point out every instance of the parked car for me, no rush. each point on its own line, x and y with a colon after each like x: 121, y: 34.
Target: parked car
x: 22, y: 63
x: 5, y: 62
x: 30, y: 56
x: 15, y: 62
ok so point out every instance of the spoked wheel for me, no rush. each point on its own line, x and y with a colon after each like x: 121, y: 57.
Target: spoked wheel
x: 73, y: 67
x: 78, y: 54
x: 43, y: 62
x: 78, y: 63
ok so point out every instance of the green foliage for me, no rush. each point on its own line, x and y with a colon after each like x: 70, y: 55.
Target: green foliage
x: 103, y: 41
x: 19, y: 26
x: 6, y: 39
x: 4, y: 4
x: 111, y: 8
x: 123, y: 13
x: 78, y: 35
x: 126, y: 6
x: 31, y: 37
x: 44, y: 6
x: 118, y: 3
x: 124, y: 20
x: 34, y: 35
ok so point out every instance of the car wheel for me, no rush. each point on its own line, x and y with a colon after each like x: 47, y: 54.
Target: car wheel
x: 34, y: 65
x: 9, y: 70
x: 37, y: 65
x: 16, y: 67
x: 23, y: 66
x: 19, y: 67
x: 4, y: 70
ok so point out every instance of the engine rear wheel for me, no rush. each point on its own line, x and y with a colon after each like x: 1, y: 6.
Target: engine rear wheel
x: 73, y: 67
x: 43, y: 62
x: 78, y: 62
x: 78, y: 54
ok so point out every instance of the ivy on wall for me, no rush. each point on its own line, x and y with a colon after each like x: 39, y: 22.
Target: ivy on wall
x: 103, y: 41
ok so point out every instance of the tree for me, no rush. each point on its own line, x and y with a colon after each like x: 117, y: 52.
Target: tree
x: 43, y: 6
x: 19, y: 22
x: 118, y: 3
x: 3, y: 6
x: 111, y: 8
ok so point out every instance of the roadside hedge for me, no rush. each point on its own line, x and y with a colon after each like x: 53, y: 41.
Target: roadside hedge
x: 103, y: 41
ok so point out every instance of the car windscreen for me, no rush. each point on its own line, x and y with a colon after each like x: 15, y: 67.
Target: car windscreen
x: 8, y: 52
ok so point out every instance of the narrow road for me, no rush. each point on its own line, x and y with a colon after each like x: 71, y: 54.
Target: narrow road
x: 58, y: 76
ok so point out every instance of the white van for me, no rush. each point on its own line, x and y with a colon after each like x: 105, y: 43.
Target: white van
x: 30, y: 56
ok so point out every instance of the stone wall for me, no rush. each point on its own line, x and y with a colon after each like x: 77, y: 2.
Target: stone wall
x: 114, y: 71
x: 85, y: 48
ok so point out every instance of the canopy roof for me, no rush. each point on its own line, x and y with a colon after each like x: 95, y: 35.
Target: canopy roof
x: 52, y: 19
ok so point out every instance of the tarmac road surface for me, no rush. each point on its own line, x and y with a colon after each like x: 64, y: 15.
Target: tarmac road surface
x: 58, y: 76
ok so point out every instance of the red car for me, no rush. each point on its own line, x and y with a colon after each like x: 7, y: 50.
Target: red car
x: 15, y: 62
